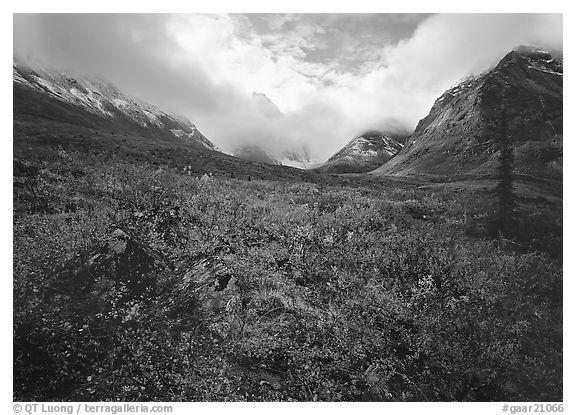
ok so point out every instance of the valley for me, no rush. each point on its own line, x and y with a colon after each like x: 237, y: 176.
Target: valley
x: 150, y: 266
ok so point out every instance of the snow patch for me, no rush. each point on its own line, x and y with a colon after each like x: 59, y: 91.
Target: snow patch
x: 18, y: 78
x: 543, y: 69
x: 300, y: 164
x: 178, y: 133
x: 119, y: 103
x: 463, y: 85
x: 192, y: 135
x: 47, y: 85
x: 153, y: 118
x: 95, y: 95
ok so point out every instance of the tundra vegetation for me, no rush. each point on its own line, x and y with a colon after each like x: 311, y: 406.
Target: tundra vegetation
x: 137, y: 282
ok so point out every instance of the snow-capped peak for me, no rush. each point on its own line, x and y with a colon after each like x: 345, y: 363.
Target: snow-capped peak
x: 104, y: 100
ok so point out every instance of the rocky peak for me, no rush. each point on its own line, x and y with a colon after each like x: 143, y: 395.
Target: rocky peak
x: 363, y: 153
x: 527, y: 61
x: 460, y: 133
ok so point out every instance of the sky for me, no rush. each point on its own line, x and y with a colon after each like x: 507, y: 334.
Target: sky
x: 282, y: 81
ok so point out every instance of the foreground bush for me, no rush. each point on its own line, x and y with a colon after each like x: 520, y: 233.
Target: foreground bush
x: 270, y: 291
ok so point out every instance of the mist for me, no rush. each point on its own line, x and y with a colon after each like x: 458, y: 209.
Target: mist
x: 280, y: 84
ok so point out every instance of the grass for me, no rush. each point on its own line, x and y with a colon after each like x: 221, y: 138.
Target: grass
x: 336, y: 289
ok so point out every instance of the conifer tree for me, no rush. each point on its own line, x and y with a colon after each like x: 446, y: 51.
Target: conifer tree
x: 505, y: 187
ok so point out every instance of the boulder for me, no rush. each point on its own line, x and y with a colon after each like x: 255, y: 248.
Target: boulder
x: 121, y: 265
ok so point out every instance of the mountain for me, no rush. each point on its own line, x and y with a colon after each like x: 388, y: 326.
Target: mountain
x: 255, y: 154
x: 461, y: 132
x: 274, y: 150
x: 52, y: 94
x: 299, y: 156
x: 265, y: 105
x: 362, y: 154
x: 280, y: 154
x: 54, y: 110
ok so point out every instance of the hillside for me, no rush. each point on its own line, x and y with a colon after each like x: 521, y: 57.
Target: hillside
x: 255, y: 154
x: 460, y: 134
x: 138, y: 283
x: 54, y: 109
x: 362, y: 154
x: 94, y: 103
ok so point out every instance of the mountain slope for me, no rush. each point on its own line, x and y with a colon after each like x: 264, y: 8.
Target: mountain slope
x: 362, y: 154
x: 294, y: 155
x: 255, y: 154
x: 299, y: 156
x: 460, y: 134
x: 55, y: 111
x: 54, y: 95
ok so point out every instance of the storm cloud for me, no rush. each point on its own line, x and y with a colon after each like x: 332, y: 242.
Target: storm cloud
x: 281, y: 80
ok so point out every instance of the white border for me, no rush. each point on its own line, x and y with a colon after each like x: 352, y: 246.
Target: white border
x: 308, y: 6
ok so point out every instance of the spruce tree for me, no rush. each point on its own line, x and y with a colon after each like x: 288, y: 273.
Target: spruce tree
x: 505, y: 187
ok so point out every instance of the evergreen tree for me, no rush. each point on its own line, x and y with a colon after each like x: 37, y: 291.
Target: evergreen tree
x: 505, y: 187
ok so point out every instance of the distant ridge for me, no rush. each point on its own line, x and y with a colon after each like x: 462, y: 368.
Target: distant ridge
x: 362, y: 154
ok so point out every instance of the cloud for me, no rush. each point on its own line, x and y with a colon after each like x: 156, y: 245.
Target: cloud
x: 281, y: 80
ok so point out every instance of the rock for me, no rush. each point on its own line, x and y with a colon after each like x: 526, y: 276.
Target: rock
x: 206, y: 288
x: 118, y: 242
x: 120, y: 263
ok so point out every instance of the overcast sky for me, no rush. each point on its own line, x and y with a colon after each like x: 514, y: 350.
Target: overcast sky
x: 278, y: 79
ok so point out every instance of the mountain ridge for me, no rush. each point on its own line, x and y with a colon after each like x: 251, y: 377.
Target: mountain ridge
x: 48, y: 117
x: 103, y: 105
x: 295, y: 155
x: 362, y: 154
x: 460, y: 133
